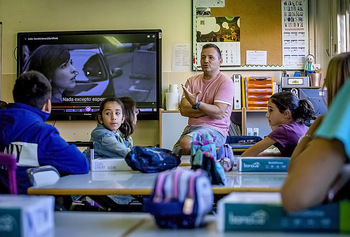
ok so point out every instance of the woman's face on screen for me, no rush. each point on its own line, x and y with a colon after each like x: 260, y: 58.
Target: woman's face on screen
x: 64, y: 76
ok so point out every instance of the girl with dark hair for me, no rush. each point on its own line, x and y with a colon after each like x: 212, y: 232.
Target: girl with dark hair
x: 56, y: 64
x: 321, y: 159
x: 131, y: 112
x: 287, y: 116
x: 109, y: 141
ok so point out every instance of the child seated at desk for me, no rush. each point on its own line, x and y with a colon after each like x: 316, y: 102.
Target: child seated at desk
x: 287, y: 116
x: 117, y: 119
x: 25, y: 134
x: 112, y: 137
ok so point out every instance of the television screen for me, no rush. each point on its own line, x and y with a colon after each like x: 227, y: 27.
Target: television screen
x: 86, y: 67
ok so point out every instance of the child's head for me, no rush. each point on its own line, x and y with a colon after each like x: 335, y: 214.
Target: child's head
x: 131, y: 112
x: 284, y: 107
x: 32, y: 88
x: 111, y: 113
x: 338, y: 72
x: 3, y: 104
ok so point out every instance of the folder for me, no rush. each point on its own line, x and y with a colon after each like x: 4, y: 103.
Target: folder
x: 243, y: 92
x: 237, y: 100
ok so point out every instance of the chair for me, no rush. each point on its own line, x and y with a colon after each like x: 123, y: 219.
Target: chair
x: 46, y: 175
x: 10, y: 162
x: 85, y: 144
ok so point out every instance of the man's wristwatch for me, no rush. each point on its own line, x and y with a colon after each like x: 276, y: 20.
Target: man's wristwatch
x: 196, y: 106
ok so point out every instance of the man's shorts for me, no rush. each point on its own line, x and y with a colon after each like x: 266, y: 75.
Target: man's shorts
x: 210, y: 132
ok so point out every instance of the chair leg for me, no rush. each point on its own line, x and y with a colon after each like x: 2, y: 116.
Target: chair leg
x: 63, y: 203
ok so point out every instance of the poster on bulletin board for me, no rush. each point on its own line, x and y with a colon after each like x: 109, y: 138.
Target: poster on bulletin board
x: 294, y: 23
x: 223, y: 32
x: 264, y: 26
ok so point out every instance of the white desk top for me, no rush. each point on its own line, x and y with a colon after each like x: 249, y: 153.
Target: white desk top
x: 104, y: 224
x: 137, y: 183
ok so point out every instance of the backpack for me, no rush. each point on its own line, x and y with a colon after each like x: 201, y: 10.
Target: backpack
x: 180, y: 199
x: 226, y: 157
x: 203, y: 155
x: 151, y: 159
x: 201, y: 143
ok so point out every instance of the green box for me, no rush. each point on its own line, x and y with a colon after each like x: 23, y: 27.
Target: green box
x: 263, y: 164
x: 264, y: 212
x: 26, y: 216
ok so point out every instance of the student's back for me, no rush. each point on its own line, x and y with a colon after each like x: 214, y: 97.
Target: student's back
x: 24, y: 133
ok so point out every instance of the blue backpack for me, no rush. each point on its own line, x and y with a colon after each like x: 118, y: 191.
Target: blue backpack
x: 180, y: 199
x: 151, y: 159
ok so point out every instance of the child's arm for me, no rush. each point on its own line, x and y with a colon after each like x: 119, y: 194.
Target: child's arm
x: 340, y: 182
x: 259, y: 147
x: 308, y: 183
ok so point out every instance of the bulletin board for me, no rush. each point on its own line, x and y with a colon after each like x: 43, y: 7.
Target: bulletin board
x: 260, y: 30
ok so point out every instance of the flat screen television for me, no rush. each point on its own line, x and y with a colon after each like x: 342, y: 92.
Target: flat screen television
x: 113, y: 63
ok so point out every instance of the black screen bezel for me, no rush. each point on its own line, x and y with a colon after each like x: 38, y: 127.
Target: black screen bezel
x: 61, y: 113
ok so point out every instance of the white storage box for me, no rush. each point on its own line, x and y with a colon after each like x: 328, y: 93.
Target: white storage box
x: 109, y: 164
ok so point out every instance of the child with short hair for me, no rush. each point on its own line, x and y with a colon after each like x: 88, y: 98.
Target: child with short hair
x: 3, y: 104
x: 109, y: 141
x: 287, y: 116
x: 24, y: 133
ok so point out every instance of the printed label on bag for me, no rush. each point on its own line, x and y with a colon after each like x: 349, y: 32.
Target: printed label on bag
x: 188, y: 206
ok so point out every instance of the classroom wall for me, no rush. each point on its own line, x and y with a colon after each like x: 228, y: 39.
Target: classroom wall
x: 173, y: 17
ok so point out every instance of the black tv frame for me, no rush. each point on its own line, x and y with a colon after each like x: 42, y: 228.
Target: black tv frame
x: 80, y: 39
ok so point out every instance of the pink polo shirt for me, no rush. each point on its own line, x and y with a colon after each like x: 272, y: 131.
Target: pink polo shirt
x: 219, y: 89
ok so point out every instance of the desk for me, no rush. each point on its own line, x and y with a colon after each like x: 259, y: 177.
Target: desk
x: 137, y: 183
x: 88, y: 224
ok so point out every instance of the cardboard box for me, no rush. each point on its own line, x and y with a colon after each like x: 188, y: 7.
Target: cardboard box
x: 263, y: 164
x: 109, y: 164
x: 264, y: 212
x: 26, y: 216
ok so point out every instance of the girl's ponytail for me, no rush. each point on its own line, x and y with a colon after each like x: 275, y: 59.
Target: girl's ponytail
x: 305, y: 111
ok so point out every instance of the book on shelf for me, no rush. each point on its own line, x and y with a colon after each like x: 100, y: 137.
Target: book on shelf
x: 244, y: 92
x: 237, y: 103
x: 234, y: 129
